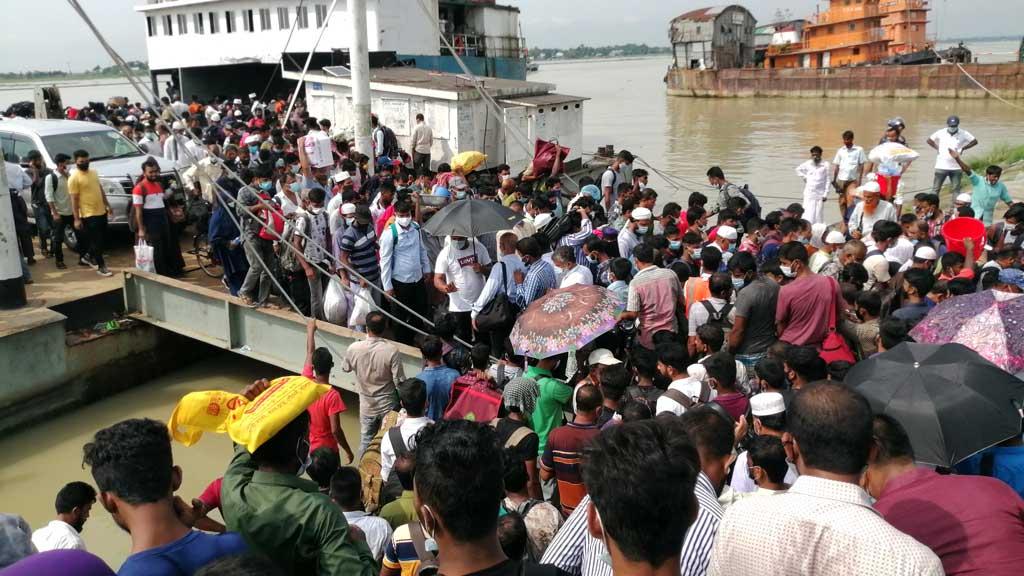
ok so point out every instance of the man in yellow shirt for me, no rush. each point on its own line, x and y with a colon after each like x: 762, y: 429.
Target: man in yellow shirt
x: 91, y: 209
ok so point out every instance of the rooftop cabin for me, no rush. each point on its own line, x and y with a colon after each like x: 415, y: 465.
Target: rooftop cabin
x: 455, y: 111
x: 209, y: 47
x: 715, y: 37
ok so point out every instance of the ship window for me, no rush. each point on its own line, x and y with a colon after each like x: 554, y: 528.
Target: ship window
x: 229, y: 21
x: 723, y: 28
x: 167, y: 26
x: 182, y: 24
x: 198, y: 23
x: 150, y: 26
x: 830, y: 29
x: 247, y: 21
x: 566, y: 107
x: 577, y: 105
x: 321, y: 15
x: 302, y: 17
x: 214, y: 24
x: 853, y: 26
x: 264, y: 18
x: 698, y: 29
x: 282, y: 18
x: 856, y: 51
x: 915, y: 28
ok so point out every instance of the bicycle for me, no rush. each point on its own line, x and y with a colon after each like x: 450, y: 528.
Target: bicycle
x: 206, y: 257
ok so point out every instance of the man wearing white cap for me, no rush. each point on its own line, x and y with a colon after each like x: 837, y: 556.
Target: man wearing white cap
x: 596, y: 363
x: 635, y: 231
x: 870, y: 210
x: 336, y: 208
x: 175, y: 146
x: 769, y: 412
x: 828, y: 251
x: 962, y: 200
x: 725, y: 236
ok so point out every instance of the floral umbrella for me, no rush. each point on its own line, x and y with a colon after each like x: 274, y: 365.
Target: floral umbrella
x: 564, y: 320
x: 991, y: 323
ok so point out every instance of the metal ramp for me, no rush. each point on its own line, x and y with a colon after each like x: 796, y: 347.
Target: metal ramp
x: 218, y: 319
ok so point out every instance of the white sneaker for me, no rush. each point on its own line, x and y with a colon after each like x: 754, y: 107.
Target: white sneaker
x: 104, y: 272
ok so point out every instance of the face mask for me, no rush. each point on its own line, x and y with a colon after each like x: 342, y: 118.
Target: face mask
x: 303, y: 462
x: 952, y: 130
x: 254, y: 150
x: 83, y: 166
x: 787, y: 271
x: 462, y: 244
x: 460, y: 195
x: 295, y: 168
x: 605, y: 557
x: 738, y: 283
x: 266, y: 185
x: 642, y: 229
x: 295, y: 187
x: 314, y: 210
x: 592, y: 259
x: 403, y: 221
x: 914, y: 241
x: 675, y: 244
x: 350, y: 221
x: 805, y: 241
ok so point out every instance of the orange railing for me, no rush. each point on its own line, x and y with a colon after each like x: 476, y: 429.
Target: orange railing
x: 838, y: 14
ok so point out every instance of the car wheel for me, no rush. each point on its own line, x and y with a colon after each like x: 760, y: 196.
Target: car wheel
x: 70, y: 239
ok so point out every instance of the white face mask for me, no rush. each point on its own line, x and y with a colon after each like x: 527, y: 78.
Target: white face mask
x: 605, y: 556
x: 403, y: 221
x: 787, y: 271
x: 642, y: 229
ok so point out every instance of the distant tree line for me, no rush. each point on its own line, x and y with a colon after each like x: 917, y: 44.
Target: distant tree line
x: 582, y: 51
x: 97, y: 70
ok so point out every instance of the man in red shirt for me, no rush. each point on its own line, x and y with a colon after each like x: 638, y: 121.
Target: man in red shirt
x: 974, y: 524
x: 805, y: 303
x: 564, y: 449
x: 325, y: 414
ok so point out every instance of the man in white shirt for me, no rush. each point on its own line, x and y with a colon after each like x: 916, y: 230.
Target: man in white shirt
x: 716, y: 306
x: 884, y: 234
x: 902, y: 250
x: 952, y: 137
x: 614, y: 175
x: 422, y: 141
x: 569, y: 272
x: 412, y: 395
x: 869, y: 211
x: 175, y: 147
x: 346, y: 491
x: 815, y: 174
x: 825, y: 515
x: 847, y: 167
x: 635, y: 231
x: 459, y: 273
x: 687, y: 389
x: 74, y: 502
x: 769, y: 412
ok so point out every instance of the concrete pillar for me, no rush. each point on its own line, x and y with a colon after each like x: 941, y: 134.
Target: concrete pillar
x: 359, y: 63
x: 12, y: 283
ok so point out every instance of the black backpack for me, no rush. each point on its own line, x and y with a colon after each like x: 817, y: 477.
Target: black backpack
x: 753, y: 206
x: 391, y: 148
x: 718, y: 318
x: 556, y: 228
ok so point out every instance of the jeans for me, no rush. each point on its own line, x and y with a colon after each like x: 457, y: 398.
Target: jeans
x: 57, y: 238
x: 258, y: 275
x: 316, y: 292
x: 955, y: 176
x: 44, y: 225
x: 368, y: 428
x: 91, y: 238
x: 413, y: 295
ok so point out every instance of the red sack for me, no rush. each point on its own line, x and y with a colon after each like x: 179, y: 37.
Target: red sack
x: 835, y: 346
x: 478, y: 403
x: 544, y: 156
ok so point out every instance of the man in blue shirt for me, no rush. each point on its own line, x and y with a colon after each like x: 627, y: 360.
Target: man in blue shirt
x: 438, y: 377
x: 134, y: 470
x: 986, y: 192
x: 539, y: 278
x: 404, y: 267
x: 917, y: 284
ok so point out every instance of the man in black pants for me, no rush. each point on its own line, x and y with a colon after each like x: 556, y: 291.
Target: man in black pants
x: 55, y: 191
x: 91, y: 209
x: 405, y: 269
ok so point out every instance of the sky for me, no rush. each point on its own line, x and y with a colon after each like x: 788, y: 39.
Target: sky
x: 50, y: 36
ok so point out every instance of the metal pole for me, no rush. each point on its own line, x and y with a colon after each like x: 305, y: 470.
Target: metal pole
x: 12, y: 283
x: 359, y: 63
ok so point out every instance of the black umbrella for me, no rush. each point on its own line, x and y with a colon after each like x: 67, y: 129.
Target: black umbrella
x: 953, y: 402
x: 471, y: 218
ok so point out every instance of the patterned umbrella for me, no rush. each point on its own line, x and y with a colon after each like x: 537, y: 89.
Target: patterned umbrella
x: 991, y: 323
x: 564, y: 320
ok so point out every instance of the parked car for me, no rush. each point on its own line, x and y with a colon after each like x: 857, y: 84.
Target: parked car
x: 117, y: 159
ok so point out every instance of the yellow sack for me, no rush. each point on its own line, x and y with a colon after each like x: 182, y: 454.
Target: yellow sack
x: 247, y: 423
x: 468, y: 161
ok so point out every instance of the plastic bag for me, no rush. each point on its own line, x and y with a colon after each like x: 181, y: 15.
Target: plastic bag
x: 468, y: 161
x: 247, y: 423
x: 544, y: 155
x: 144, y: 257
x: 892, y: 153
x: 362, y: 304
x: 336, y: 303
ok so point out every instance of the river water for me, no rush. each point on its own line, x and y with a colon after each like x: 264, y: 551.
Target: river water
x: 36, y: 463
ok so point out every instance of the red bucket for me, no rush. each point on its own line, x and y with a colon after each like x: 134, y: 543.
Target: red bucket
x: 957, y: 229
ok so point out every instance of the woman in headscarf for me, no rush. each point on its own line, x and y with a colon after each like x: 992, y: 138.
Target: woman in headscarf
x: 519, y: 399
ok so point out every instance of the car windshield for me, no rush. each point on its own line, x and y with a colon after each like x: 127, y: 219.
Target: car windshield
x: 101, y: 145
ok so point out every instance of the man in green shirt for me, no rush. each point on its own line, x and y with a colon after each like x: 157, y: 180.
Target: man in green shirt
x: 286, y: 517
x: 986, y: 192
x: 553, y: 398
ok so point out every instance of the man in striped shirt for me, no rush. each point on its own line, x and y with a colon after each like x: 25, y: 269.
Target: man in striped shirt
x: 358, y: 250
x: 564, y: 449
x: 539, y: 276
x: 580, y: 554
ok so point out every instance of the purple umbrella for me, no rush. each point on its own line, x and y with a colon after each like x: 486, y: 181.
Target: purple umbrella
x: 564, y: 320
x: 991, y: 323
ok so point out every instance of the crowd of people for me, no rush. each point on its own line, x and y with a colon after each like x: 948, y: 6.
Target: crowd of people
x: 710, y: 432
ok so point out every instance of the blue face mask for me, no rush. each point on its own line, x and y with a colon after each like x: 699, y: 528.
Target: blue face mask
x: 295, y: 187
x: 254, y: 150
x: 266, y: 185
x: 675, y: 244
x: 295, y: 168
x: 738, y: 283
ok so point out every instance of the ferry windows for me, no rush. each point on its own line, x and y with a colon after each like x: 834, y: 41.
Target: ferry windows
x: 852, y: 26
x: 150, y: 26
x: 321, y: 15
x: 229, y: 21
x: 282, y: 19
x: 264, y: 18
x: 182, y: 24
x: 214, y: 24
x: 302, y: 17
x: 198, y: 24
x: 247, y: 23
x: 856, y: 51
x: 168, y: 31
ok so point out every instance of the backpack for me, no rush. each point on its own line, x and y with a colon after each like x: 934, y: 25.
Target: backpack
x: 391, y: 148
x: 718, y: 318
x: 500, y: 313
x: 753, y: 206
x: 556, y: 228
x: 287, y: 257
x: 369, y: 465
x: 686, y: 401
